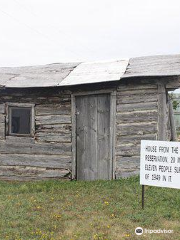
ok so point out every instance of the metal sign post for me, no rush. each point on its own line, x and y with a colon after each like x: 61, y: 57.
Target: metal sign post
x: 142, y: 196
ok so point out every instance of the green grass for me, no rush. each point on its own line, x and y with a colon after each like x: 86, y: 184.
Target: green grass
x: 79, y: 210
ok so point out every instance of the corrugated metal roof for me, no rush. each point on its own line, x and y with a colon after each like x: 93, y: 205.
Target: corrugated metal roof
x: 67, y: 74
x: 165, y: 65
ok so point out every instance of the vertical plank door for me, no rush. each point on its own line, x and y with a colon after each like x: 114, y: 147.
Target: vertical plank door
x: 93, y: 160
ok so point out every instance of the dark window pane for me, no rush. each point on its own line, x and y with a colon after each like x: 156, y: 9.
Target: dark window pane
x: 20, y: 120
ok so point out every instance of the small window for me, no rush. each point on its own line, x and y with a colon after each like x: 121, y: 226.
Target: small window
x: 20, y: 120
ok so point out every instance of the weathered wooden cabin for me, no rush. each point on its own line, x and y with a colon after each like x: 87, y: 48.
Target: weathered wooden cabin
x: 83, y: 121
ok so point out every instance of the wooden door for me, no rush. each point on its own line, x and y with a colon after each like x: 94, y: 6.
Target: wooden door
x: 93, y: 160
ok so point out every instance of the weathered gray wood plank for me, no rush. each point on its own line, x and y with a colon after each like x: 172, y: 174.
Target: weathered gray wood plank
x: 130, y: 107
x: 104, y: 161
x: 129, y: 129
x: 138, y: 91
x: 37, y: 148
x: 135, y: 117
x: 53, y: 119
x: 47, y: 161
x: 137, y: 85
x: 53, y: 137
x: 21, y: 173
x: 128, y: 150
x: 127, y: 166
x: 162, y: 111
x: 38, y: 100
x: 137, y: 98
x: 128, y: 163
x: 55, y: 109
x: 173, y: 83
x: 81, y: 125
x: 172, y: 122
x: 136, y: 139
x: 91, y: 126
x: 57, y: 128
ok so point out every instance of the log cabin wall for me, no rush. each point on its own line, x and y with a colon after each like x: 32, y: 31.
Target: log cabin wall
x: 46, y: 155
x: 49, y: 153
x: 137, y: 119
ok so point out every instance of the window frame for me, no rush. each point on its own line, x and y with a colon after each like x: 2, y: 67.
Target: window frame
x: 9, y: 106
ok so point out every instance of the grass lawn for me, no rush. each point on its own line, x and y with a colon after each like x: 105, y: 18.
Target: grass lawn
x: 86, y: 210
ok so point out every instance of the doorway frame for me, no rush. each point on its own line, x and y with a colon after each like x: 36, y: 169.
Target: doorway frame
x: 112, y: 93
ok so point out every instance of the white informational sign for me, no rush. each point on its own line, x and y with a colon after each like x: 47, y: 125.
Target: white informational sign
x: 160, y: 164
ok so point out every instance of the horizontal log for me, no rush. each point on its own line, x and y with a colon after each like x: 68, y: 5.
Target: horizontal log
x: 128, y: 163
x: 37, y: 148
x: 21, y: 173
x: 136, y: 129
x: 136, y: 139
x: 53, y: 119
x: 45, y: 161
x: 52, y: 96
x: 137, y: 106
x: 136, y: 91
x: 53, y: 137
x: 61, y: 128
x: 135, y: 117
x: 36, y: 99
x: 127, y: 166
x: 136, y: 86
x: 131, y: 150
x: 53, y: 100
x: 173, y: 84
x: 55, y: 109
x: 137, y: 98
x: 36, y: 93
x: 126, y: 173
